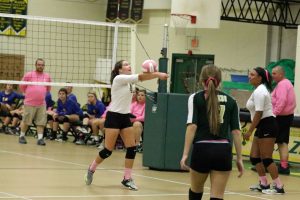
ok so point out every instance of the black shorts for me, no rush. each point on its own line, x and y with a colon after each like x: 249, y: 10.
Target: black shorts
x: 284, y: 125
x: 211, y: 156
x: 267, y: 128
x: 117, y: 120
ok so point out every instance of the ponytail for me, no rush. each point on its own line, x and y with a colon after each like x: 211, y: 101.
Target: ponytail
x: 211, y: 77
x: 115, y: 72
x: 266, y: 77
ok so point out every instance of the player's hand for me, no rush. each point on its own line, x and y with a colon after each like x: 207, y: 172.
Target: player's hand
x: 240, y: 167
x: 183, y: 163
x: 247, y: 135
x: 163, y: 76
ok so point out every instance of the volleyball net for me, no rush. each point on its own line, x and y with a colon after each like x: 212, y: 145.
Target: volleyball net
x: 78, y: 52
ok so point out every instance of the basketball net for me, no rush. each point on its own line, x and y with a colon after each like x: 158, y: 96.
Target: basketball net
x: 180, y: 22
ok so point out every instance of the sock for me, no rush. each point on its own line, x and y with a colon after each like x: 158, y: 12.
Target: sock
x: 194, y: 195
x: 263, y: 180
x: 127, y: 173
x: 278, y: 182
x: 22, y: 134
x: 40, y: 136
x: 284, y: 163
x: 93, y: 166
x: 96, y: 138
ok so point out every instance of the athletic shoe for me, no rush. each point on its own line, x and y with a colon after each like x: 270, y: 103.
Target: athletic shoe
x: 41, y: 142
x: 82, y: 130
x: 259, y: 187
x: 282, y: 170
x: 52, y: 136
x: 92, y: 142
x: 61, y: 138
x: 22, y: 140
x: 11, y: 131
x: 139, y: 148
x: 88, y: 178
x: 129, y: 183
x: 274, y: 190
x: 79, y: 142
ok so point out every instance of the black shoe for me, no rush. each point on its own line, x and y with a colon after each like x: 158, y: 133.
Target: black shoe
x: 41, y: 142
x: 282, y: 170
x: 52, y: 136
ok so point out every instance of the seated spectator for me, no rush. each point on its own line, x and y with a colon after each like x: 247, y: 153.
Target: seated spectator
x: 16, y: 114
x: 67, y: 112
x: 138, y: 111
x: 95, y: 108
x: 70, y: 95
x: 8, y: 101
x: 98, y: 129
x: 50, y: 112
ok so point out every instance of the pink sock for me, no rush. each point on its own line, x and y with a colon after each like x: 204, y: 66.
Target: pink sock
x: 278, y: 182
x: 127, y: 173
x: 93, y: 166
x: 263, y: 180
x: 284, y: 163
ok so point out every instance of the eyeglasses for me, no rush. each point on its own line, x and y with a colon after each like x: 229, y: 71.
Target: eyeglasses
x: 40, y: 65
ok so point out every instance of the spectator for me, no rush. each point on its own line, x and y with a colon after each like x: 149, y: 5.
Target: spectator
x: 67, y: 112
x: 138, y: 110
x: 95, y: 108
x: 8, y: 101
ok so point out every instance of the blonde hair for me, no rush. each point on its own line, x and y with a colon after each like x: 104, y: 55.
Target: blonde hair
x: 93, y: 93
x: 211, y: 77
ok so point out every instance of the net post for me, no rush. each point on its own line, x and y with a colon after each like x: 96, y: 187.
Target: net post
x: 115, y: 46
x: 133, y: 49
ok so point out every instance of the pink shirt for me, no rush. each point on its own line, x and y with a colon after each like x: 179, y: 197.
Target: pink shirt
x: 138, y: 109
x: 283, y: 98
x: 35, y: 94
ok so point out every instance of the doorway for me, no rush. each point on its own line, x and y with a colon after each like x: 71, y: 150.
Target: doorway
x: 185, y: 72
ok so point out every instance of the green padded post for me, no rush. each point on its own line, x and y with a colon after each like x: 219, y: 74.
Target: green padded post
x: 163, y: 67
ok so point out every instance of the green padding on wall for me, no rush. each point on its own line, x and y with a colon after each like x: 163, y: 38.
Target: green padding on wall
x: 164, y: 131
x: 154, y: 132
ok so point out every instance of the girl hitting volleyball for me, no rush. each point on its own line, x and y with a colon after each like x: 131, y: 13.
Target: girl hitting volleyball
x: 118, y: 118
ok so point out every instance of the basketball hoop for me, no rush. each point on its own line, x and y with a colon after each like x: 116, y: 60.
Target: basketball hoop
x: 180, y: 21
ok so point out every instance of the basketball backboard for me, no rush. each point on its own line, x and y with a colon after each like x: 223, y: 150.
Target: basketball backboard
x: 207, y: 12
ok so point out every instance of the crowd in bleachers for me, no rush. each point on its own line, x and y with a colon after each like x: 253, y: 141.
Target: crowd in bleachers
x: 66, y: 117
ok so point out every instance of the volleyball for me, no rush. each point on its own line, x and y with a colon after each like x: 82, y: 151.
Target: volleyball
x: 149, y: 66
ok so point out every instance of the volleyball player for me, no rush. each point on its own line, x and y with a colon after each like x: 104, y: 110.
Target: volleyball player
x: 260, y: 106
x: 118, y: 119
x: 211, y: 113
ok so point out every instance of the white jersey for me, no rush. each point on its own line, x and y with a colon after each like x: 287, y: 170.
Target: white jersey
x: 122, y: 90
x: 260, y: 100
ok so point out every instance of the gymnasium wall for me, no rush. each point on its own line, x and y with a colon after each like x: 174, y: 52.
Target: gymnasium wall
x: 235, y: 45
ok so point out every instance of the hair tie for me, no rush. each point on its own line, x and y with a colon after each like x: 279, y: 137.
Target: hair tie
x: 216, y: 83
x: 267, y: 75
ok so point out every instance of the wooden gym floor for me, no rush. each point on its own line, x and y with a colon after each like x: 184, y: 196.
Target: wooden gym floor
x: 56, y: 171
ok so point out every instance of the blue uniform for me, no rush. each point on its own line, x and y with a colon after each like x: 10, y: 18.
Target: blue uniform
x: 49, y: 101
x: 68, y: 108
x: 10, y: 98
x: 72, y: 97
x: 97, y: 110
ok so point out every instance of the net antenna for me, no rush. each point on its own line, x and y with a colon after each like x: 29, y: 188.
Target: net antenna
x: 181, y: 21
